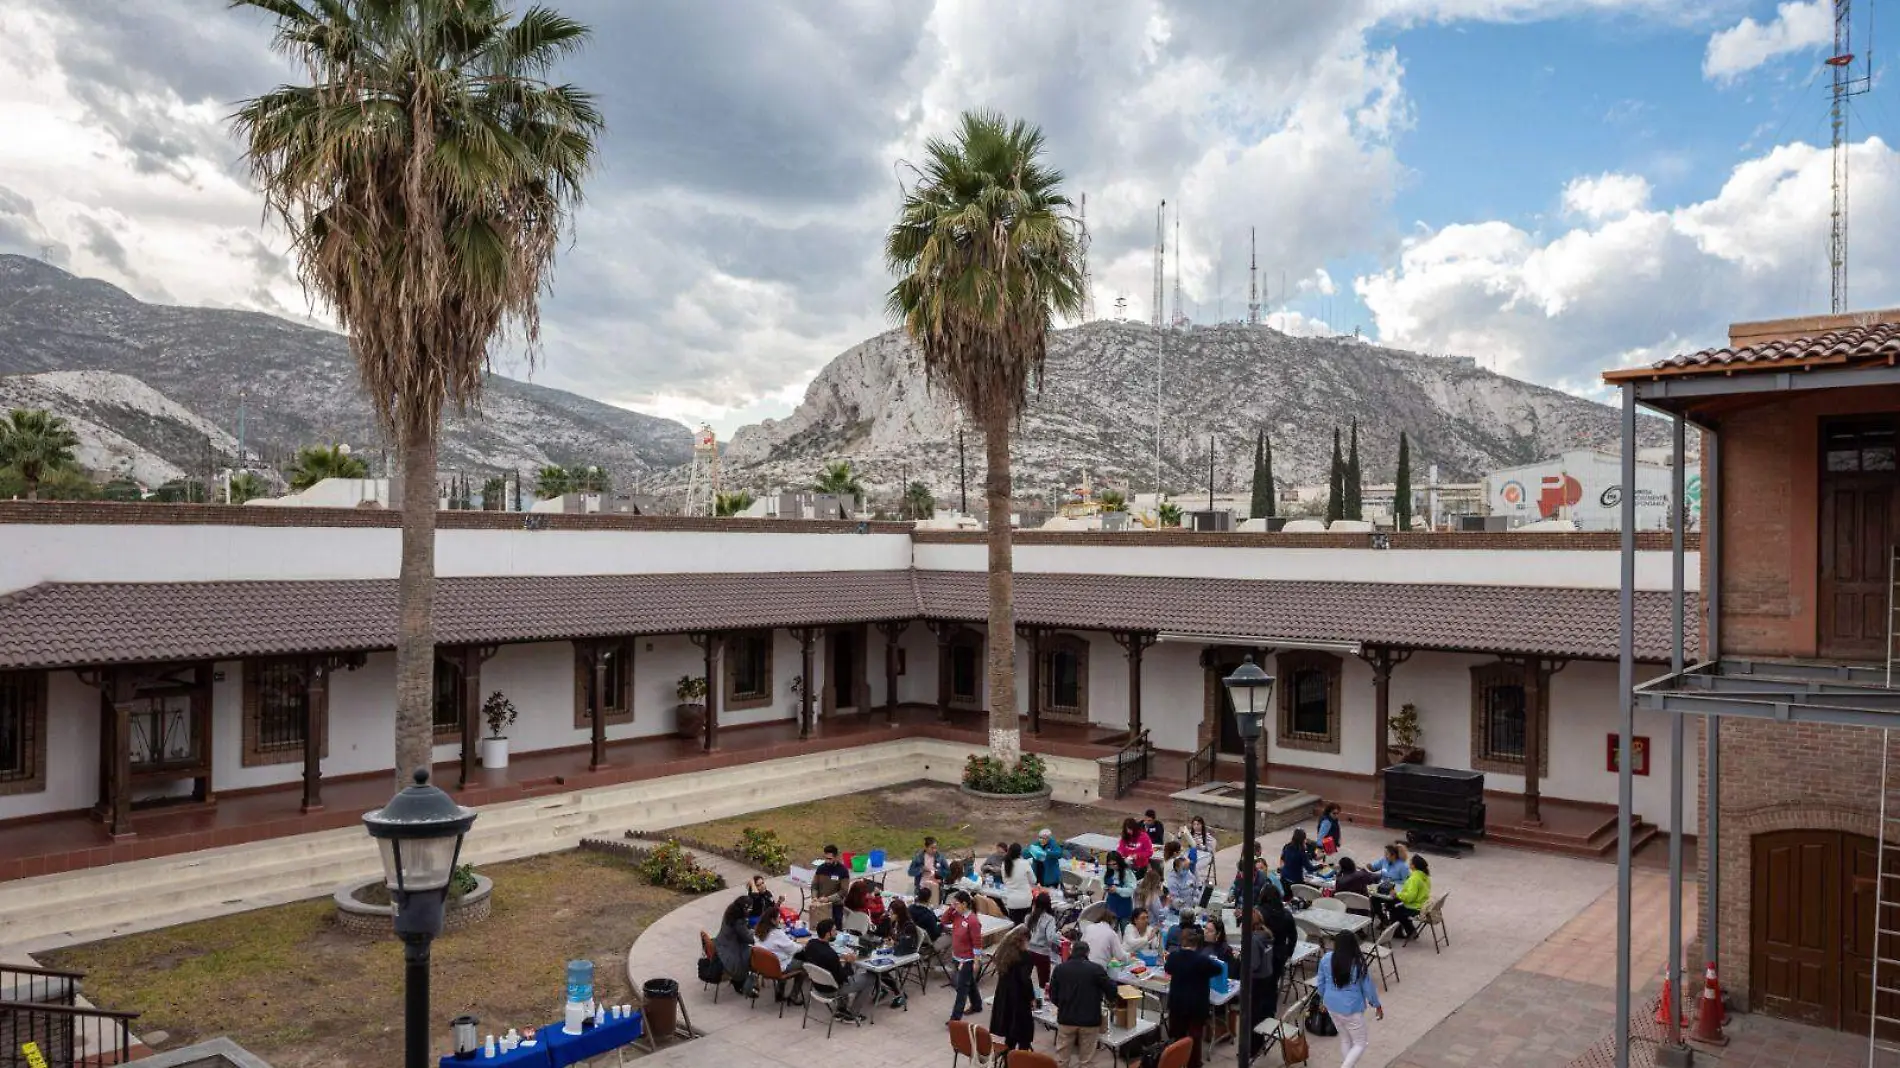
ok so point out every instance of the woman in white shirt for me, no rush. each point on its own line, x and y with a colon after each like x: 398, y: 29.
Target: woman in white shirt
x: 1019, y: 883
x: 1141, y: 936
x: 1201, y: 841
x: 771, y: 934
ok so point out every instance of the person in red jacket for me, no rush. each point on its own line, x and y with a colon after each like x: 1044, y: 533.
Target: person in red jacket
x: 966, y: 944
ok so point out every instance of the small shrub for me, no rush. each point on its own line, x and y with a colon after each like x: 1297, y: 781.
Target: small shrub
x: 763, y: 848
x: 462, y: 883
x: 698, y: 881
x: 670, y: 866
x: 991, y: 776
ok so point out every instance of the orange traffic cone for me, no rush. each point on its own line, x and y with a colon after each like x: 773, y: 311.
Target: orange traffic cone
x: 1668, y: 1003
x: 1710, y: 1014
x: 1709, y: 979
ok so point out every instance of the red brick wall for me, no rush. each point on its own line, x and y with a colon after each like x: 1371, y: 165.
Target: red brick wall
x: 1602, y: 541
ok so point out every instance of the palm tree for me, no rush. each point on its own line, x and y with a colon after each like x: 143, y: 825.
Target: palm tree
x: 35, y: 443
x: 988, y: 253
x: 1112, y: 501
x: 553, y: 481
x: 919, y: 502
x: 245, y: 486
x: 731, y: 504
x: 593, y: 479
x: 426, y: 173
x: 314, y: 463
x: 839, y: 480
x: 1168, y: 514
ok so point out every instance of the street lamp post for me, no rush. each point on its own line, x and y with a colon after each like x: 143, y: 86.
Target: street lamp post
x: 1251, y: 691
x: 420, y: 834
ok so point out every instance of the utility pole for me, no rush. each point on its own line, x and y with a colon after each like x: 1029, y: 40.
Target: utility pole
x: 1088, y: 288
x: 963, y: 474
x: 1210, y: 478
x: 1161, y: 255
x: 1253, y: 280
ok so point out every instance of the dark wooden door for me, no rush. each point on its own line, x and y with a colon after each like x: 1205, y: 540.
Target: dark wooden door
x: 1228, y: 726
x: 1812, y: 941
x: 1858, y: 483
x: 842, y: 681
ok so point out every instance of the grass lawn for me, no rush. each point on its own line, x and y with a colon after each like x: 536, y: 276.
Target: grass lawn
x: 897, y: 818
x: 294, y: 988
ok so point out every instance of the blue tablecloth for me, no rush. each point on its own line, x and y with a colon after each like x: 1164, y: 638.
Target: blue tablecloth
x: 565, y: 1049
x: 555, y: 1049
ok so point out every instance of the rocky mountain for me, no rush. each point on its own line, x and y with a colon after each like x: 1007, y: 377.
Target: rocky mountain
x: 125, y: 427
x: 1095, y: 415
x: 299, y: 384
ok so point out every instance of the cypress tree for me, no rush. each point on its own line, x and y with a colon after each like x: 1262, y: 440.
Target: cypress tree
x: 1402, y: 491
x: 1354, y: 490
x: 1336, y: 488
x: 1266, y: 469
x: 1262, y: 491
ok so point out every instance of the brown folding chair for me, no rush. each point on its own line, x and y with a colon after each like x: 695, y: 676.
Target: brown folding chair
x: 1029, y: 1058
x: 1177, y: 1054
x: 962, y: 1042
x: 765, y: 965
x: 706, y: 947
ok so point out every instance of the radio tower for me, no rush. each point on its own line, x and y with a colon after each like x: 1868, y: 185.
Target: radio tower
x: 702, y: 488
x: 1846, y: 86
x: 1121, y: 308
x: 1088, y: 286
x: 1253, y: 281
x: 1180, y: 319
x: 1157, y: 310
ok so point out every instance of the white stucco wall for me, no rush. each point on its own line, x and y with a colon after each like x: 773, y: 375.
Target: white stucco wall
x: 72, y: 751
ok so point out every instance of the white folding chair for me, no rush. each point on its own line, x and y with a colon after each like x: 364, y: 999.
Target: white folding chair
x: 1381, y: 952
x: 1305, y: 892
x: 1434, y: 918
x: 820, y: 987
x: 1358, y: 903
x: 1330, y: 904
x: 1278, y: 1031
x: 858, y: 923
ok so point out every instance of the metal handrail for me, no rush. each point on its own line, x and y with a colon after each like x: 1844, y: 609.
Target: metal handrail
x: 1136, y: 755
x: 63, y: 1036
x: 1200, y: 766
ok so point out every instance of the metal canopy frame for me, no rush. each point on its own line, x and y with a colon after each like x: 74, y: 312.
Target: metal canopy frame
x: 1731, y: 688
x: 1666, y: 393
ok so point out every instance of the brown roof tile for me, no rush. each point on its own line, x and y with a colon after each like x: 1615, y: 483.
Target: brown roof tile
x: 1507, y: 619
x: 74, y: 624
x: 1855, y: 344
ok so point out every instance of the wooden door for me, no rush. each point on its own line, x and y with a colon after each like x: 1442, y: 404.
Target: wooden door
x: 845, y: 677
x: 1812, y: 932
x: 1858, y: 482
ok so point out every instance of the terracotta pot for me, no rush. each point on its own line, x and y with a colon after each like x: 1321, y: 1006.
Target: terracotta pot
x: 691, y: 721
x: 1397, y: 754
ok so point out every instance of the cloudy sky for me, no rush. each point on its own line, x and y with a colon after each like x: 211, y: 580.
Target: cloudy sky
x: 1552, y: 186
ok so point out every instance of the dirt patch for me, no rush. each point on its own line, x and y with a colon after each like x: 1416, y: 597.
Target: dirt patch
x: 287, y: 984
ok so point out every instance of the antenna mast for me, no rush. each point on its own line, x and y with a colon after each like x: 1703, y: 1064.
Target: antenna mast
x: 1846, y: 86
x: 1156, y: 310
x: 1088, y: 286
x: 1253, y: 280
x: 1180, y: 317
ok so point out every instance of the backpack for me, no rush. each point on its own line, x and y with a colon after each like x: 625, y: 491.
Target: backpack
x: 710, y: 970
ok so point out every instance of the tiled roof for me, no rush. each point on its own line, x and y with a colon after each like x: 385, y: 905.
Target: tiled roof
x: 67, y: 624
x: 1505, y: 619
x: 74, y: 624
x: 1855, y: 344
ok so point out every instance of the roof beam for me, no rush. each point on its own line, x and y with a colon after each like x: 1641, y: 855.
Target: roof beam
x: 1717, y: 384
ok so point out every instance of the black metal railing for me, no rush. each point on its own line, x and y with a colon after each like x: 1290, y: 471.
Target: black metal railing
x: 1134, y: 761
x: 42, y: 1022
x: 1200, y: 766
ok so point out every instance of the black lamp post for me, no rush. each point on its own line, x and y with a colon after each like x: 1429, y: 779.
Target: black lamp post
x: 1251, y: 691
x: 420, y: 833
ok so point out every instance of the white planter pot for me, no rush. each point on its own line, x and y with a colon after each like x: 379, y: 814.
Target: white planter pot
x: 494, y: 752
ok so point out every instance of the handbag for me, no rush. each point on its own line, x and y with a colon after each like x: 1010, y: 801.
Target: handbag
x: 1319, y: 1021
x: 710, y: 970
x: 1293, y: 1048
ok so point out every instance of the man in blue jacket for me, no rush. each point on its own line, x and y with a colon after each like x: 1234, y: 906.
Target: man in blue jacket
x: 1045, y: 859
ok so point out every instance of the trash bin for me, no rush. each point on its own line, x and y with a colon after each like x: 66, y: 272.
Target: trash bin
x: 662, y: 998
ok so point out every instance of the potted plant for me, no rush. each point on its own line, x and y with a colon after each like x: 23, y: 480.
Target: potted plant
x: 691, y: 711
x: 500, y: 714
x: 1404, y: 734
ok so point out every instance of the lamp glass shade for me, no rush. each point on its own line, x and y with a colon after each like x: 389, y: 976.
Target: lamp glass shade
x: 420, y: 836
x: 417, y: 865
x: 1251, y: 691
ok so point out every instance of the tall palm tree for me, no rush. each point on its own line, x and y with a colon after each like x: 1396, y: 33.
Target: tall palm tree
x: 988, y: 252
x: 247, y: 485
x: 314, y: 463
x: 553, y: 481
x: 919, y: 502
x: 36, y: 443
x: 731, y: 504
x: 426, y: 172
x: 839, y: 480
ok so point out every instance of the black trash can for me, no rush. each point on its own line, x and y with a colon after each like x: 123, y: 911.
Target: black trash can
x: 662, y: 1006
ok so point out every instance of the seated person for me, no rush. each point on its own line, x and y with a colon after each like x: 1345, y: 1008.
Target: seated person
x: 864, y: 897
x: 857, y: 985
x: 925, y: 917
x: 1393, y: 868
x: 1141, y: 936
x: 1353, y: 879
x: 1183, y: 888
x: 759, y: 900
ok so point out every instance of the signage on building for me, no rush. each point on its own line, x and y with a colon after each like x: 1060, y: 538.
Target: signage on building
x: 1585, y: 487
x: 1639, y: 754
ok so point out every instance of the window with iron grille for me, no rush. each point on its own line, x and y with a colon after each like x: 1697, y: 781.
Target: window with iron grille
x: 966, y: 668
x: 451, y: 691
x: 617, y: 665
x: 1065, y: 670
x: 748, y: 670
x: 1309, y: 700
x: 277, y: 711
x: 22, y: 731
x: 1500, y: 710
x: 163, y: 734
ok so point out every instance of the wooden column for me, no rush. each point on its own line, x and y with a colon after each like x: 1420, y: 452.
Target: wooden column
x: 893, y: 629
x: 709, y: 642
x: 316, y: 691
x: 1533, y: 740
x: 807, y: 638
x: 471, y: 660
x: 1032, y: 636
x: 1135, y: 642
x: 116, y: 693
x: 203, y: 789
x: 861, y: 688
x: 1382, y: 660
x: 597, y: 715
x: 944, y: 632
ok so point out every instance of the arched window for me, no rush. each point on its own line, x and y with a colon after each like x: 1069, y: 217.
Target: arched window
x: 1065, y: 675
x: 1309, y: 700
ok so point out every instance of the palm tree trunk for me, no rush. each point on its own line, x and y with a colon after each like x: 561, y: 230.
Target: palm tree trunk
x: 415, y: 599
x: 1006, y: 740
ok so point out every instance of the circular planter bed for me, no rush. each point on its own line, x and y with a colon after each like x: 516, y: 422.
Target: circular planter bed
x: 369, y: 917
x: 1026, y: 804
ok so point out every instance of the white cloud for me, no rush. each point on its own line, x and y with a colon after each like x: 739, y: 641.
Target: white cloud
x: 1606, y: 196
x: 1644, y: 283
x: 1798, y: 25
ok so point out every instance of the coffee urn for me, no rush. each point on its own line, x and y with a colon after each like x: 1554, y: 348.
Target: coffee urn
x: 467, y: 1043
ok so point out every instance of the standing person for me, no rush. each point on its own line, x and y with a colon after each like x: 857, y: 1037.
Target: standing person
x: 1202, y: 847
x: 829, y: 881
x: 1215, y: 933
x: 1135, y: 846
x: 1329, y: 827
x: 1152, y: 894
x: 854, y: 983
x: 928, y: 867
x: 1045, y: 940
x: 1190, y: 969
x: 1078, y: 988
x: 993, y: 864
x: 1012, y: 1009
x: 1275, y: 938
x: 1411, y: 899
x: 733, y: 946
x: 966, y: 943
x: 1296, y: 860
x: 1045, y: 853
x: 1103, y: 941
x: 1152, y: 824
x: 1347, y: 988
x: 1019, y: 885
x: 1118, y: 888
